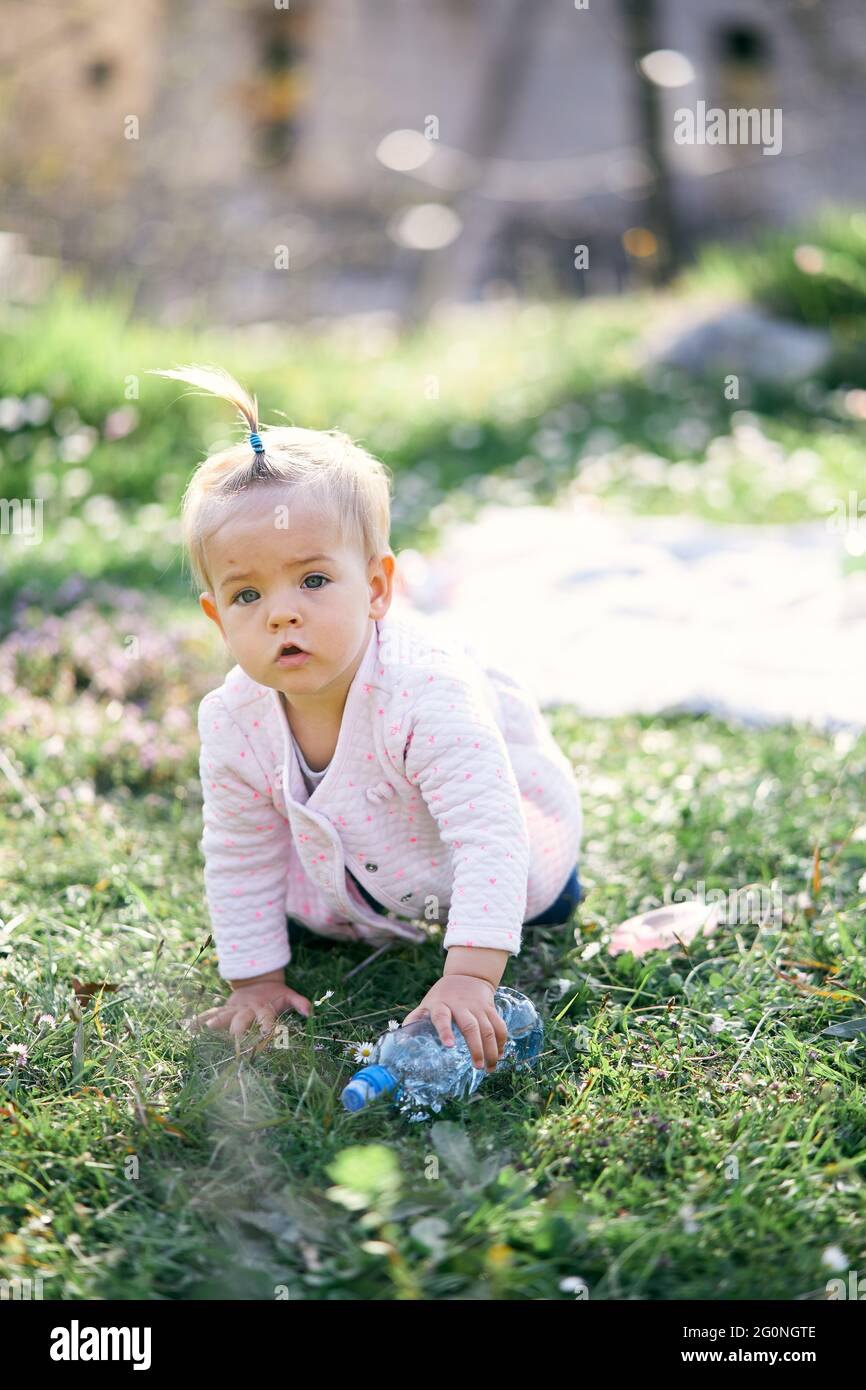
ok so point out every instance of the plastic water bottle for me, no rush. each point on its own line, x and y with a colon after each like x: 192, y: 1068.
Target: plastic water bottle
x: 420, y: 1073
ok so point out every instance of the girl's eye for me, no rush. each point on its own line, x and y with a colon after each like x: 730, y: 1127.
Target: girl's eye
x: 255, y: 593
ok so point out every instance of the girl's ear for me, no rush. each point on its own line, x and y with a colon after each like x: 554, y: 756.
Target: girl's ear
x: 381, y: 581
x: 209, y: 607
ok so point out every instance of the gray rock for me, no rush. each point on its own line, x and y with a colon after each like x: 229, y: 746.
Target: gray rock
x: 744, y: 341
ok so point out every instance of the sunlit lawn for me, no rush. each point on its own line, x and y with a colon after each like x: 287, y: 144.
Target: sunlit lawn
x: 693, y: 1130
x: 502, y: 401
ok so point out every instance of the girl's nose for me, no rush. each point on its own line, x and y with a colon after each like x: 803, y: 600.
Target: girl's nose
x: 282, y: 611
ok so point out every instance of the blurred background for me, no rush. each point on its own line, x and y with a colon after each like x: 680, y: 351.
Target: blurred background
x: 514, y: 249
x: 407, y: 153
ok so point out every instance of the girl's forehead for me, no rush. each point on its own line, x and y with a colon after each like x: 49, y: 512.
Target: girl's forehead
x: 265, y: 533
x: 284, y: 518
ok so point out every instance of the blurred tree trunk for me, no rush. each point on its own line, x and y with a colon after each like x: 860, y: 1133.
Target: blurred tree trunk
x: 640, y: 18
x: 511, y: 30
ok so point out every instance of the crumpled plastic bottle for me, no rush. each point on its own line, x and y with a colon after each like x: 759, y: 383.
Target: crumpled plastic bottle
x: 420, y: 1073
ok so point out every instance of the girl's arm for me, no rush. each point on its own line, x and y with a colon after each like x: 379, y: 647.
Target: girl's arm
x: 483, y: 963
x: 457, y: 757
x: 246, y: 845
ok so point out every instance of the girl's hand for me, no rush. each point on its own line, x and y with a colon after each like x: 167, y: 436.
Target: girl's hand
x: 467, y: 1001
x: 250, y: 1004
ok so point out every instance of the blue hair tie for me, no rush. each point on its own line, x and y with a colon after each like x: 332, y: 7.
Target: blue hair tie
x: 256, y: 442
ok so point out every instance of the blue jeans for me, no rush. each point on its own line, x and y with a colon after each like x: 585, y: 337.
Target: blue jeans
x: 559, y: 912
x: 555, y: 915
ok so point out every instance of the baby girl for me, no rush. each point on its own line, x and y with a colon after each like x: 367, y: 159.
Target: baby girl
x: 358, y: 777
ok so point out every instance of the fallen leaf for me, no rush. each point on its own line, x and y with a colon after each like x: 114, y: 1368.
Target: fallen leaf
x: 849, y: 1029
x: 813, y: 989
x: 815, y: 964
x: 816, y: 872
x: 83, y: 992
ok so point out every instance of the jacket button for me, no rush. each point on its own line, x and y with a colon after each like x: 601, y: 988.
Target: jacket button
x: 371, y: 868
x: 383, y: 791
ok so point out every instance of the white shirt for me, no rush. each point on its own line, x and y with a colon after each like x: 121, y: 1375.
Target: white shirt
x: 311, y: 778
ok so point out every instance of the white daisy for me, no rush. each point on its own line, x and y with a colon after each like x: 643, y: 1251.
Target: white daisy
x: 573, y: 1284
x: 834, y: 1258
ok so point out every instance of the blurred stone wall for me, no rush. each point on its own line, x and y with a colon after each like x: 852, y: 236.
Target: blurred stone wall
x: 178, y: 146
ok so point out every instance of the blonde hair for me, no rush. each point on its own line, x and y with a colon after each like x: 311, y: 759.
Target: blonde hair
x: 333, y: 470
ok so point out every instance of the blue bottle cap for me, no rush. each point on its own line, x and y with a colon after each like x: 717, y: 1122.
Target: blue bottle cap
x: 367, y: 1084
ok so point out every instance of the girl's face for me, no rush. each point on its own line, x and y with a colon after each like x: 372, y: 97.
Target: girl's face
x: 278, y: 585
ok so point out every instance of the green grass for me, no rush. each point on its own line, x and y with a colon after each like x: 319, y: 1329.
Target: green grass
x: 692, y: 1132
x: 815, y: 274
x: 512, y: 402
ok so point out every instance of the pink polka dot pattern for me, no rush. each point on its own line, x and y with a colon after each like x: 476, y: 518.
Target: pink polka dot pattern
x: 445, y: 785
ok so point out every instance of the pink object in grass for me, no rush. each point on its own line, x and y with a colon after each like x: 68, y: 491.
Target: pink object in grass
x: 664, y: 927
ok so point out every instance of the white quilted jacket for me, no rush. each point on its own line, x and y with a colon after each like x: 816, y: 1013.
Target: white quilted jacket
x: 446, y: 793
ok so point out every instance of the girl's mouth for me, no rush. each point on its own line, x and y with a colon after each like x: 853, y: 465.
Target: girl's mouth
x: 292, y: 656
